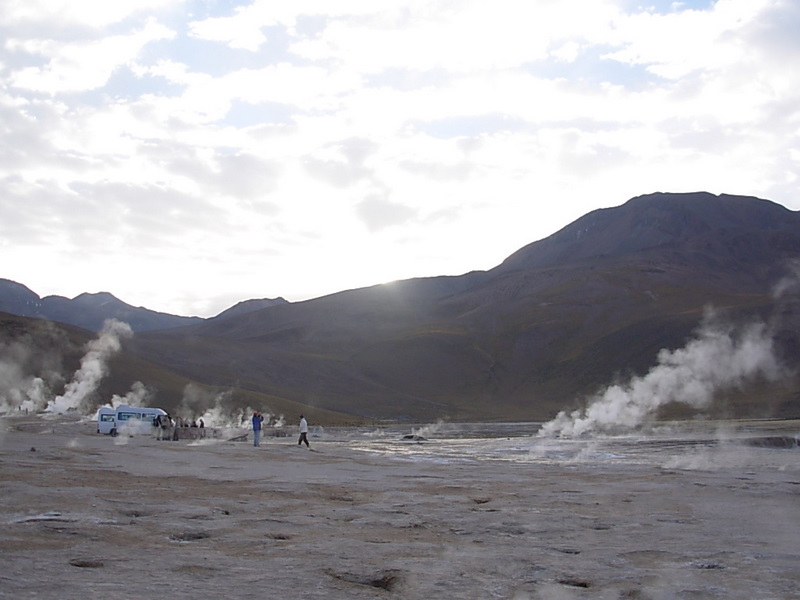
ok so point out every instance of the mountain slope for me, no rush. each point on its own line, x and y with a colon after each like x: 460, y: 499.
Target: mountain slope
x: 557, y: 320
x: 247, y: 306
x: 722, y: 232
x: 39, y: 358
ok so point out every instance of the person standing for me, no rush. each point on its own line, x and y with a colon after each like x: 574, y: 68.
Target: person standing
x: 257, y: 419
x: 166, y: 427
x: 303, y: 431
x: 157, y: 426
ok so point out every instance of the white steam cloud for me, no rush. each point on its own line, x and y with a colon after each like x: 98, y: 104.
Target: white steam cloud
x: 197, y: 399
x: 217, y: 410
x: 719, y: 358
x: 137, y: 396
x: 19, y: 391
x: 93, y: 368
x: 27, y: 374
x: 214, y: 407
x: 790, y: 284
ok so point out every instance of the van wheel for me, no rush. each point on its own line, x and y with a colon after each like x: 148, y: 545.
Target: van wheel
x: 113, y: 433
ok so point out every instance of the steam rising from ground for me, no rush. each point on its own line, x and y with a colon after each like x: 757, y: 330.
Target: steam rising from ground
x: 429, y: 429
x: 137, y: 396
x: 92, y: 370
x: 790, y: 284
x: 20, y: 390
x: 30, y: 366
x: 719, y: 358
x: 197, y: 400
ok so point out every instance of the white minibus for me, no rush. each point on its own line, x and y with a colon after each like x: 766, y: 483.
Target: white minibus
x: 128, y: 420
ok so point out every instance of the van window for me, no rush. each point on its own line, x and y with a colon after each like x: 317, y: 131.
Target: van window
x: 124, y: 416
x: 106, y: 418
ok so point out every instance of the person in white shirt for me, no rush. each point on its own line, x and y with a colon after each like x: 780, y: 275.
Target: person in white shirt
x: 303, y: 432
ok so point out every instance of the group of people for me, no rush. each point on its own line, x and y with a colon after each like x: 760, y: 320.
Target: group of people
x: 258, y: 420
x: 167, y: 428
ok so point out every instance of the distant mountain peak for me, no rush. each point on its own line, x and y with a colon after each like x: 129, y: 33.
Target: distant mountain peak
x: 248, y: 306
x: 654, y: 221
x: 89, y: 310
x: 97, y: 298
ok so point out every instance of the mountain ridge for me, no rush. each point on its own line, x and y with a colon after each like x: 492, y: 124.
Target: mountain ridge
x: 89, y: 310
x: 543, y: 328
x: 552, y: 324
x: 643, y: 225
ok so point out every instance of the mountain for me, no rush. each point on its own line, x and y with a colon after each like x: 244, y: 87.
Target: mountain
x: 89, y: 311
x: 17, y: 299
x: 40, y: 357
x: 727, y: 233
x: 247, y: 306
x: 556, y: 321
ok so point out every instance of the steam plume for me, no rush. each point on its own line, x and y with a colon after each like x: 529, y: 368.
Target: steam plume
x: 18, y: 390
x: 217, y: 410
x: 29, y: 367
x: 137, y: 396
x: 719, y: 358
x: 196, y: 401
x: 93, y: 367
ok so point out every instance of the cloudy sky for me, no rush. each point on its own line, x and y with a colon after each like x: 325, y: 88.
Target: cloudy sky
x: 187, y: 154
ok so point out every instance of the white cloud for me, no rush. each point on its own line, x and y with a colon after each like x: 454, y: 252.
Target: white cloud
x: 678, y: 44
x: 476, y: 36
x: 92, y: 13
x: 301, y: 148
x: 80, y: 66
x: 379, y: 212
x: 240, y: 31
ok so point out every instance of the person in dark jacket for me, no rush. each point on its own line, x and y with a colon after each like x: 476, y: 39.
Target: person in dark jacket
x: 257, y: 420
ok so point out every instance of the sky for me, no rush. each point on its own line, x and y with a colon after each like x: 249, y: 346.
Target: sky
x: 185, y: 155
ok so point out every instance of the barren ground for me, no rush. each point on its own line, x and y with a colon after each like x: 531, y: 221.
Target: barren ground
x: 85, y: 517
